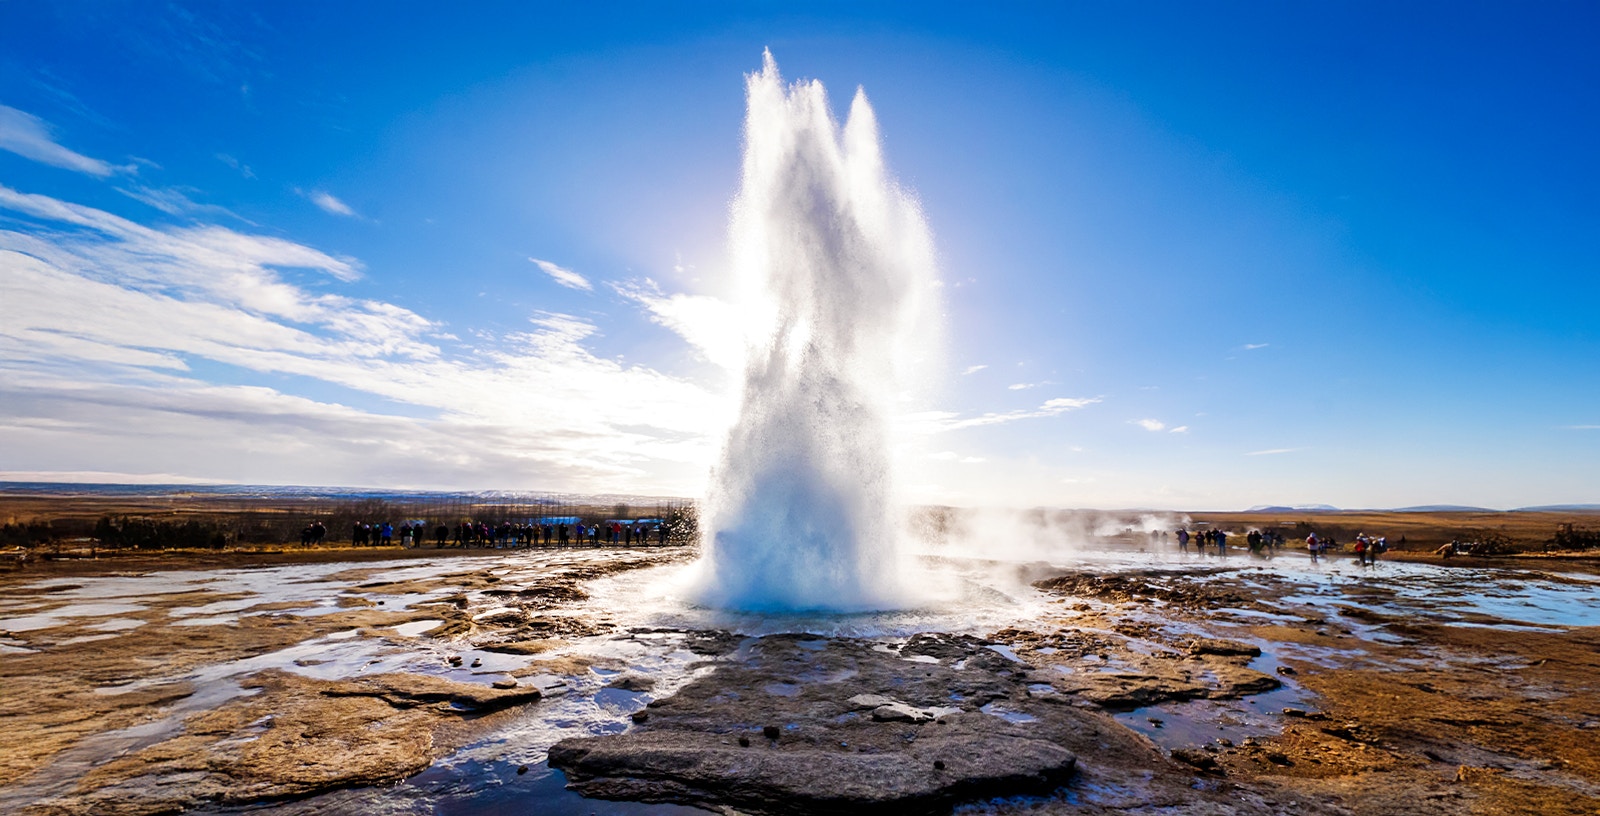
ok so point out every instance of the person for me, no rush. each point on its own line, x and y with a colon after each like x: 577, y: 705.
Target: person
x: 1361, y: 548
x: 1313, y: 546
x: 1183, y: 539
x: 1222, y: 542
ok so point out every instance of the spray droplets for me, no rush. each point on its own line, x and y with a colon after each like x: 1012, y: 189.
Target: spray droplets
x: 802, y: 512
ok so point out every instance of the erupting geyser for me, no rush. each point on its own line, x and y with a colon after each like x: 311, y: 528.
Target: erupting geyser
x: 801, y: 513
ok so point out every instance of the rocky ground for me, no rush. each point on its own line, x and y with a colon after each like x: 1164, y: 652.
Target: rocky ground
x: 132, y: 718
x: 1224, y: 686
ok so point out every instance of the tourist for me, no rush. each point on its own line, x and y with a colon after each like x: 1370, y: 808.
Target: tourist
x: 1183, y: 539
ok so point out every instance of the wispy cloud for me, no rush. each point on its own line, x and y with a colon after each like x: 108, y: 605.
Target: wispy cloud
x: 1179, y: 429
x: 562, y: 275
x: 973, y: 369
x: 1023, y: 386
x: 714, y: 328
x: 1271, y: 451
x: 1149, y: 424
x: 1583, y: 427
x: 29, y: 136
x: 173, y: 201
x: 104, y: 321
x: 1254, y: 346
x: 330, y: 204
x: 244, y: 169
x: 929, y: 422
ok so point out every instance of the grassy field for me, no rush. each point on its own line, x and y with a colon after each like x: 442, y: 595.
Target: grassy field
x: 67, y: 522
x: 1422, y: 531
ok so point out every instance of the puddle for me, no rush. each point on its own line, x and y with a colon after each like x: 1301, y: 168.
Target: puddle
x: 417, y: 627
x: 216, y: 620
x: 472, y: 785
x: 115, y: 625
x: 1014, y: 717
x: 62, y: 615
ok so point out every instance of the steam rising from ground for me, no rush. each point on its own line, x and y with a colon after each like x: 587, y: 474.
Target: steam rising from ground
x: 1053, y: 536
x: 802, y: 511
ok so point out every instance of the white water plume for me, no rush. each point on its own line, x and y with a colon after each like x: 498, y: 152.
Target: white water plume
x: 802, y: 513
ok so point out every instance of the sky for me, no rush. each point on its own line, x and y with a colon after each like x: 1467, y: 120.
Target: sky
x: 1194, y: 256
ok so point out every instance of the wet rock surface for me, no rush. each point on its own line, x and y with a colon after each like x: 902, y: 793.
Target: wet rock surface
x: 1227, y: 688
x: 153, y: 700
x: 797, y: 724
x: 296, y: 737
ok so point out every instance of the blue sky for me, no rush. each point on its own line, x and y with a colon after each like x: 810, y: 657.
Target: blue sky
x: 1273, y: 253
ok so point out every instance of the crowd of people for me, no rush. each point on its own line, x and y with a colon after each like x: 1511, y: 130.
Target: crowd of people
x: 498, y: 535
x: 1266, y: 542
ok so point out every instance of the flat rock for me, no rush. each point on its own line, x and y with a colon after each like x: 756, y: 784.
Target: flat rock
x: 297, y: 737
x: 830, y: 751
x: 813, y: 777
x: 1225, y: 648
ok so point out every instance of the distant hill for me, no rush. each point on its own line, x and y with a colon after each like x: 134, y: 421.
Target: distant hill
x: 292, y: 492
x: 1298, y: 508
x: 1562, y: 508
x: 1444, y: 508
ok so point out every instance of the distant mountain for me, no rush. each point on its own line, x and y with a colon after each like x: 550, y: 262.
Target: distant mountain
x: 1562, y: 508
x: 244, y: 491
x: 1444, y: 508
x: 1298, y: 508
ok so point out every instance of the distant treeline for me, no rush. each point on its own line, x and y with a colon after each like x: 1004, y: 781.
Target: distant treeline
x: 276, y: 522
x: 35, y: 533
x: 151, y: 534
x: 1570, y: 537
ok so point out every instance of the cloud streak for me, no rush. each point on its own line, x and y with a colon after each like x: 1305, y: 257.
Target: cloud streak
x: 562, y: 275
x: 931, y: 422
x: 104, y: 324
x: 714, y: 328
x: 329, y: 203
x: 30, y: 137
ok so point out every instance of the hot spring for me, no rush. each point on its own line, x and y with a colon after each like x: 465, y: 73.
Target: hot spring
x: 802, y: 512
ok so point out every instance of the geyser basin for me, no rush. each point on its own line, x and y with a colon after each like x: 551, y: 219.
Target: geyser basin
x: 801, y: 512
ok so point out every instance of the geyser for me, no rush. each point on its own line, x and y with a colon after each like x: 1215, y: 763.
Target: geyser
x: 802, y: 511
